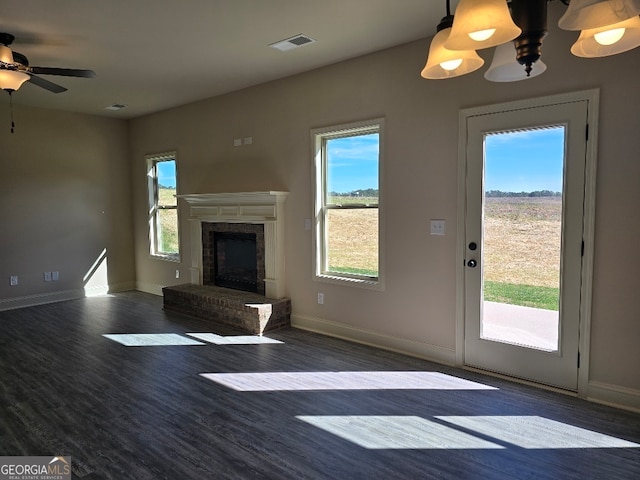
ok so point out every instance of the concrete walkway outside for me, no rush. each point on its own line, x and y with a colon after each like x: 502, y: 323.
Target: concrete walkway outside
x: 531, y: 327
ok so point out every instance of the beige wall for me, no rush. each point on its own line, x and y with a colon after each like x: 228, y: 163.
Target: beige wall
x: 417, y: 309
x: 65, y: 192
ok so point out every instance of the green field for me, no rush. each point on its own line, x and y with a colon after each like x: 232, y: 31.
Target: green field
x: 524, y: 295
x: 522, y: 237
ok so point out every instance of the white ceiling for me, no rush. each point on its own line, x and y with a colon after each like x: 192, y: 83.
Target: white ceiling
x: 155, y: 54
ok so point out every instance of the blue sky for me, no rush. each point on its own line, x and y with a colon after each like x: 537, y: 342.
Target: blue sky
x: 525, y: 161
x: 352, y: 163
x: 515, y: 161
x: 167, y: 173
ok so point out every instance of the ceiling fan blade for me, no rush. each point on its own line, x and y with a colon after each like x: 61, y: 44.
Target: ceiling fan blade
x: 65, y: 72
x: 47, y: 85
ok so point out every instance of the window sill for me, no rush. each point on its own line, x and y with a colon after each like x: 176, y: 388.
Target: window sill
x: 166, y: 257
x: 351, y: 282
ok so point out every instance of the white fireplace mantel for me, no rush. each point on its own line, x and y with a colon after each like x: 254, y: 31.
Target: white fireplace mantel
x: 265, y: 208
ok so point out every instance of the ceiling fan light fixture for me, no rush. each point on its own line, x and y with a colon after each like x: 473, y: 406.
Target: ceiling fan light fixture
x: 590, y: 43
x: 481, y: 24
x: 589, y: 14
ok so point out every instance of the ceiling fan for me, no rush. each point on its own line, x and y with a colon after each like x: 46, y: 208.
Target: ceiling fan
x: 15, y: 70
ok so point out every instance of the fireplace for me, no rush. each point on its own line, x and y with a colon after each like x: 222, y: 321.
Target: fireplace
x: 233, y: 256
x: 256, y: 213
x: 235, y: 261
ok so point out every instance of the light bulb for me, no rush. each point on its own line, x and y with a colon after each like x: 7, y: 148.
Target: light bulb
x: 609, y: 37
x: 482, y: 35
x: 451, y: 64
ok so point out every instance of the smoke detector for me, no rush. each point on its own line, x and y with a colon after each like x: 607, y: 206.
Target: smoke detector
x: 293, y: 42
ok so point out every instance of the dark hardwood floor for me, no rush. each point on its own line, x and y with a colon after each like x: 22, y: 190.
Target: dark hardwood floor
x: 146, y: 412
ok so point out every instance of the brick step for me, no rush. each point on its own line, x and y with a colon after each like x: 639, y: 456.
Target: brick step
x: 246, y: 311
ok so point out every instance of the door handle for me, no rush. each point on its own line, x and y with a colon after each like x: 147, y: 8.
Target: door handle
x: 472, y: 263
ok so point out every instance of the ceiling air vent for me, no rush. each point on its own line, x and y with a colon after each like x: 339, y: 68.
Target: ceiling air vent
x: 115, y: 106
x: 293, y: 42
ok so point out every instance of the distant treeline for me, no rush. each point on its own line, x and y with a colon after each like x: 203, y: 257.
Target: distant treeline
x: 367, y: 192
x: 537, y: 193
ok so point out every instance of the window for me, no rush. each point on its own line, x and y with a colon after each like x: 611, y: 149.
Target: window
x: 163, y: 206
x: 348, y: 223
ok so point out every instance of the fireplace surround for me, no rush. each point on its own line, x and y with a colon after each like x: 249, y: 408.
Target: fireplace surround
x: 245, y: 212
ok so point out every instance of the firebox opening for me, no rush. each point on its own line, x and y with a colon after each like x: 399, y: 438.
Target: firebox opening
x: 235, y: 261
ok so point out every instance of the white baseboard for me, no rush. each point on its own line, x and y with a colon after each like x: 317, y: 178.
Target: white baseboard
x: 53, y: 297
x: 405, y: 346
x: 40, y: 299
x: 122, y: 287
x: 615, y: 396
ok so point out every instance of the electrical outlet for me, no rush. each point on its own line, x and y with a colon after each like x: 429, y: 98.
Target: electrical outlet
x: 55, y: 276
x: 47, y: 276
x: 177, y: 273
x: 320, y: 298
x: 307, y: 224
x: 14, y: 280
x: 437, y: 227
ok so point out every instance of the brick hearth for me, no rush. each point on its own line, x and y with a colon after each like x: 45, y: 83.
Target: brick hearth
x: 246, y: 311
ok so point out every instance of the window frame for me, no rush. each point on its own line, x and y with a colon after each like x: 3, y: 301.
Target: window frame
x: 319, y: 137
x: 154, y: 208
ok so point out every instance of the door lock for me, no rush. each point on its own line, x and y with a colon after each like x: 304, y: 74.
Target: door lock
x: 472, y: 263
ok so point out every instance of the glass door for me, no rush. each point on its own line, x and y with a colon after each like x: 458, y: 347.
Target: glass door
x: 524, y: 222
x: 522, y: 237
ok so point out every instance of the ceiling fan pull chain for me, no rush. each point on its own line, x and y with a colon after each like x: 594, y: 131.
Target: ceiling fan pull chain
x: 13, y: 125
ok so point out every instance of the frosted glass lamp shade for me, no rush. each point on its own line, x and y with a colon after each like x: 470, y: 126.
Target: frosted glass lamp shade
x: 12, y: 80
x: 588, y: 14
x: 589, y: 45
x: 6, y: 55
x: 444, y: 63
x: 505, y: 67
x: 488, y: 20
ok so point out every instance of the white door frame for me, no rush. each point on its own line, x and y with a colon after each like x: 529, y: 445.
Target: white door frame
x: 592, y: 97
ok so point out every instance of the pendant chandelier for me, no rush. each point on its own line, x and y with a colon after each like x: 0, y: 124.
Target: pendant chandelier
x: 518, y: 27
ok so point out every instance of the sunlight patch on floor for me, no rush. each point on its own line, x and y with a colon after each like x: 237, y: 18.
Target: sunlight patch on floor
x: 151, y: 339
x: 463, y: 432
x: 233, y: 339
x: 379, y: 380
x: 397, y: 432
x: 532, y: 432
